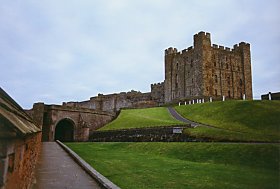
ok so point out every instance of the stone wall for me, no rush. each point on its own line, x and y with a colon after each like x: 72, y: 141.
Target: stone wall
x: 81, y: 120
x: 204, y: 70
x: 114, y: 102
x: 18, y: 157
x: 152, y: 134
x: 273, y: 96
x: 157, y: 92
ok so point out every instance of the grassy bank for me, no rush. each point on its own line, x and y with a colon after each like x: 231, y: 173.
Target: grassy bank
x: 137, y: 118
x: 184, y: 165
x: 243, y: 120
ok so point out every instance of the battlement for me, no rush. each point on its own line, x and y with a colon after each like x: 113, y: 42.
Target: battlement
x: 215, y: 46
x: 170, y: 50
x: 157, y: 84
x: 241, y: 45
x: 202, y: 34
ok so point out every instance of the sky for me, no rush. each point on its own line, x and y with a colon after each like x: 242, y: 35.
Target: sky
x: 70, y: 50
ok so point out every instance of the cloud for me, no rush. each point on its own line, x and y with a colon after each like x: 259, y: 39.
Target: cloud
x: 56, y: 51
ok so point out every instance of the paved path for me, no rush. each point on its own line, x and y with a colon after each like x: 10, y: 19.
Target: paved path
x: 177, y: 116
x: 57, y: 170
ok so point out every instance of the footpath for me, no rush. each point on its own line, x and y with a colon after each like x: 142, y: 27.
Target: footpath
x: 57, y: 170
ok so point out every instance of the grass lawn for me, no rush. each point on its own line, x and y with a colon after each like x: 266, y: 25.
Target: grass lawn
x: 184, y: 165
x: 137, y: 118
x: 243, y: 120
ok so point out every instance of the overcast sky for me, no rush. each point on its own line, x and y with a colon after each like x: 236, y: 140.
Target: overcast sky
x: 70, y: 50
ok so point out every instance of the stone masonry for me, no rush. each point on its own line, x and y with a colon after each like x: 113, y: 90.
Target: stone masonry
x: 206, y: 70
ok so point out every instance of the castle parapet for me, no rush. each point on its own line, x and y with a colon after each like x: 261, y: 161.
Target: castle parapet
x: 241, y: 45
x: 202, y: 33
x: 170, y: 50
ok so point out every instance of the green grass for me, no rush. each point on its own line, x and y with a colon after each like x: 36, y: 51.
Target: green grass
x: 184, y: 165
x: 137, y: 118
x: 243, y: 120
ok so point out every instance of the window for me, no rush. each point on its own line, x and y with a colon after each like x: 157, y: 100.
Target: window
x: 216, y: 79
x: 191, y: 63
x: 215, y: 63
x: 228, y: 80
x: 228, y: 93
x: 216, y: 92
x: 226, y: 66
x: 177, y: 66
x: 192, y: 80
x: 11, y: 165
x: 240, y: 82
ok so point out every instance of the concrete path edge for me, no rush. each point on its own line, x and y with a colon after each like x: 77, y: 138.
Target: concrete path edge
x: 106, y: 183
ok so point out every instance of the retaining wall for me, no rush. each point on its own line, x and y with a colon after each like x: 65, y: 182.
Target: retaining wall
x: 149, y: 134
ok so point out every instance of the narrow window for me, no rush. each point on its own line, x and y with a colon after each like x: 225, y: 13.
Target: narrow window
x: 191, y: 63
x: 228, y: 93
x: 192, y: 80
x: 240, y: 82
x: 11, y: 165
x: 215, y: 63
x: 228, y: 80
x: 216, y: 79
x: 216, y: 92
x: 177, y: 66
x: 226, y: 66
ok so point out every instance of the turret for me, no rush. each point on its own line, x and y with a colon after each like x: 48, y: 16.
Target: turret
x: 202, y: 40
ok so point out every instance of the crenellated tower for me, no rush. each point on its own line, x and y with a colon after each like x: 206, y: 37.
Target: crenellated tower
x: 206, y: 70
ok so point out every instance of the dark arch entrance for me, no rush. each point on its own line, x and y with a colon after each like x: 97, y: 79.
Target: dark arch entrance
x: 64, y: 131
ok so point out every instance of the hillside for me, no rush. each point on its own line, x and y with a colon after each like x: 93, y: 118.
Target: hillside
x: 137, y: 118
x: 249, y: 120
x: 231, y: 120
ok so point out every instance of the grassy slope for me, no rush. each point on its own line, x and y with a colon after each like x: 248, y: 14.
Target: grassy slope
x: 184, y: 165
x: 253, y: 120
x: 136, y: 118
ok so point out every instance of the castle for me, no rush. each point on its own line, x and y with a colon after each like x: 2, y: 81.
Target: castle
x: 198, y: 72
x: 203, y: 72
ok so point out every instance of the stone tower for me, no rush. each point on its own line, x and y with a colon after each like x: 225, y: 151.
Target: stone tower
x: 206, y: 70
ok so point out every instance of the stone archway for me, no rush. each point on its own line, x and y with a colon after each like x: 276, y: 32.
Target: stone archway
x: 64, y: 130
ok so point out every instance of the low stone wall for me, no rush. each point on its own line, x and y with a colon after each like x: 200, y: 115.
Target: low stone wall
x: 273, y: 96
x: 149, y: 134
x: 18, y: 158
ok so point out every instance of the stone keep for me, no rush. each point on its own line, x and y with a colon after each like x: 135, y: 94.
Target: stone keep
x: 206, y: 70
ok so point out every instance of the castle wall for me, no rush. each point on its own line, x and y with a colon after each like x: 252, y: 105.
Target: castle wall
x: 114, y: 102
x: 18, y: 157
x: 157, y: 92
